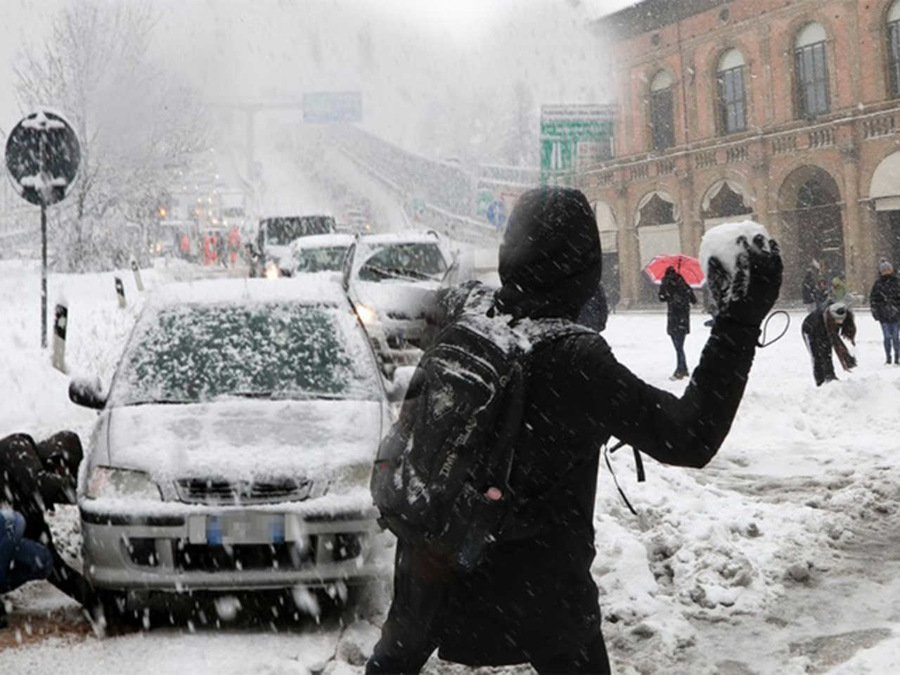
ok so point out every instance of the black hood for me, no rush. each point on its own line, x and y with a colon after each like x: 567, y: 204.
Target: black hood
x: 550, y: 259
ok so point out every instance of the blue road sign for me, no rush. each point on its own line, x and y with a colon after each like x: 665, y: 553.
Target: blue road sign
x: 496, y: 213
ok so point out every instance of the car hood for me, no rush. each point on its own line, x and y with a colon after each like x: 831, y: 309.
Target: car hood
x: 408, y: 297
x: 245, y: 439
x: 278, y: 252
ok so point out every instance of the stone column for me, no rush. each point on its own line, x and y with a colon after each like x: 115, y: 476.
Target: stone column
x: 629, y: 257
x: 857, y: 243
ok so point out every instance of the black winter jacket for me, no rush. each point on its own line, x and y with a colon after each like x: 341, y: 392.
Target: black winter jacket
x: 538, y: 596
x: 679, y: 297
x: 885, y: 299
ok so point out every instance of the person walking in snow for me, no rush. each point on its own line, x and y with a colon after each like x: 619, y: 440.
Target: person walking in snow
x: 679, y: 297
x: 823, y: 330
x: 534, y: 599
x: 884, y: 300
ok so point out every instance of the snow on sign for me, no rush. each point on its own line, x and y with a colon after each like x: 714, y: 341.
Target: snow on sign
x: 332, y: 106
x: 42, y: 156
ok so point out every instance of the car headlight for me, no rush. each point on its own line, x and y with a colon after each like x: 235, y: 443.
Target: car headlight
x: 108, y: 482
x: 272, y: 271
x: 366, y: 314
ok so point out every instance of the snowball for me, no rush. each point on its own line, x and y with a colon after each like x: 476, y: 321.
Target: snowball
x: 721, y: 242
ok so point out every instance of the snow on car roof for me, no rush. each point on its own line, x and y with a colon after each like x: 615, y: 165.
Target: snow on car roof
x: 323, y: 241
x: 400, y: 238
x: 317, y: 288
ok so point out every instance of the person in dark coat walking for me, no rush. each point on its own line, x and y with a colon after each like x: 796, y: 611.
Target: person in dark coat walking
x: 534, y: 600
x: 33, y: 477
x: 884, y: 300
x: 679, y: 297
x: 823, y: 330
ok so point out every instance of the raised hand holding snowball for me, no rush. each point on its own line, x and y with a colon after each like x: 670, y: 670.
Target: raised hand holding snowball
x: 744, y: 271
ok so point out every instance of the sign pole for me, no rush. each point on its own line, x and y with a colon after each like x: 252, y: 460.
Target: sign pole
x: 43, y: 277
x: 42, y: 157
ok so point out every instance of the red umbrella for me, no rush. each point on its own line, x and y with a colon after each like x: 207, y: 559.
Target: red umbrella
x: 685, y: 265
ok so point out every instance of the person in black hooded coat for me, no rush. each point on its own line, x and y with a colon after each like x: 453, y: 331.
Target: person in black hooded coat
x: 679, y: 297
x: 535, y: 600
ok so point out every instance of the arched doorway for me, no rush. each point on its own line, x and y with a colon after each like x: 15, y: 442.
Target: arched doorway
x: 885, y: 195
x: 658, y: 233
x: 723, y: 202
x: 809, y: 204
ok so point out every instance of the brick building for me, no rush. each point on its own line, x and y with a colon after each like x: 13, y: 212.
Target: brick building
x: 784, y: 111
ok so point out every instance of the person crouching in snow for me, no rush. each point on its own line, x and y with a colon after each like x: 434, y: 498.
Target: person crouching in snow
x: 823, y: 329
x: 34, y: 477
x: 21, y: 559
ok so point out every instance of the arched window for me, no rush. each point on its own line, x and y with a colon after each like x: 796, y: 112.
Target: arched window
x: 811, y: 67
x: 732, y: 96
x: 893, y: 32
x: 662, y: 109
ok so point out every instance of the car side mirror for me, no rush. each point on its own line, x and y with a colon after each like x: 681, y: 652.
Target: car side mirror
x: 87, y: 392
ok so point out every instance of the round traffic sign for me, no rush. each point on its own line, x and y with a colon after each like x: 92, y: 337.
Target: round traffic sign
x: 42, y: 157
x: 496, y: 213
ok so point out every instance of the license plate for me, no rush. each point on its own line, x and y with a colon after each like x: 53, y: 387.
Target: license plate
x: 245, y: 528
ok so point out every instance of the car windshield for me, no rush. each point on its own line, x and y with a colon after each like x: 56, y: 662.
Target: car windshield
x: 282, y: 231
x: 199, y: 353
x: 421, y: 261
x: 325, y: 259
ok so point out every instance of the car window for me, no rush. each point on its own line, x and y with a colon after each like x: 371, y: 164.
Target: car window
x: 195, y: 353
x: 330, y: 259
x: 416, y: 261
x: 282, y: 231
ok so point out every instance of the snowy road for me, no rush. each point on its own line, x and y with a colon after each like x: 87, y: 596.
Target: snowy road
x: 783, y: 556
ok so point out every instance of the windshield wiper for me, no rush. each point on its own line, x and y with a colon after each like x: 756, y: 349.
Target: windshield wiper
x: 399, y: 273
x: 284, y: 395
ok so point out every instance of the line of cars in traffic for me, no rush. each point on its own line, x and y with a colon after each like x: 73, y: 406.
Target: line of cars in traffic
x: 233, y: 447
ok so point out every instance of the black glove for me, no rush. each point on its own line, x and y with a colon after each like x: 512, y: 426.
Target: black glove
x: 747, y: 296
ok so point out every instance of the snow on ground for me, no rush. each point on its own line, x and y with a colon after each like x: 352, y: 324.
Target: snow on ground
x: 782, y: 556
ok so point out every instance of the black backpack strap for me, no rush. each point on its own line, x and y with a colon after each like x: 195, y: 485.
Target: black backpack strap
x: 640, y: 472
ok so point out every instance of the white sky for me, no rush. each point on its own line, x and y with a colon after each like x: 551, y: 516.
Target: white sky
x: 405, y: 55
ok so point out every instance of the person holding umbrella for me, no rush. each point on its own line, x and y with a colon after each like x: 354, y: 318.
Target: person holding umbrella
x: 679, y: 297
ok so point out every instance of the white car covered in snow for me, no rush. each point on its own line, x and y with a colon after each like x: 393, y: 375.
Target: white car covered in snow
x: 391, y: 278
x: 234, y: 448
x: 317, y: 253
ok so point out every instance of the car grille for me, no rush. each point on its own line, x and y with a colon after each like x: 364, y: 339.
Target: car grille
x: 223, y: 492
x: 201, y: 557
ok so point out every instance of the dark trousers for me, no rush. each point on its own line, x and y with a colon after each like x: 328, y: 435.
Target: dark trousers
x: 678, y: 341
x: 413, y: 628
x: 21, y: 559
x: 820, y: 350
x: 891, y: 332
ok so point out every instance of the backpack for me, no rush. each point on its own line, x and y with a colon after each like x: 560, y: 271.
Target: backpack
x: 441, y: 476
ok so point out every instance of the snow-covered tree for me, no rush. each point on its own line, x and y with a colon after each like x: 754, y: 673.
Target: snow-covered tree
x: 137, y: 123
